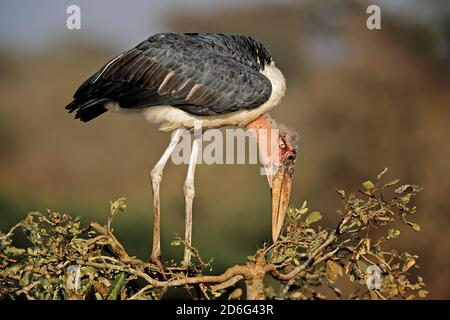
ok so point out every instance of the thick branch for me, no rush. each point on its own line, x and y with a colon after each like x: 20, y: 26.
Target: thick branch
x: 227, y: 275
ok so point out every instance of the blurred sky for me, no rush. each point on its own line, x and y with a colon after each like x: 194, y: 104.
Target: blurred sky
x: 26, y: 24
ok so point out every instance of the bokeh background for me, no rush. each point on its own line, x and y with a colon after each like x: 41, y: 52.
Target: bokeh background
x: 361, y: 100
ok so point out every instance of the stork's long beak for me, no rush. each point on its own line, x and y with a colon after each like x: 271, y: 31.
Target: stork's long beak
x: 279, y: 172
x: 279, y: 162
x: 281, y: 192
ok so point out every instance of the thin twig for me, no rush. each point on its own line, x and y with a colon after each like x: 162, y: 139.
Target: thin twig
x: 11, y: 231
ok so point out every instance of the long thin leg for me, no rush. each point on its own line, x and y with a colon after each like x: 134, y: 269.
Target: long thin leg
x: 156, y: 176
x: 189, y: 193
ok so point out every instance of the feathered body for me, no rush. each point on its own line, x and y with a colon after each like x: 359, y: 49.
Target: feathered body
x: 176, y: 79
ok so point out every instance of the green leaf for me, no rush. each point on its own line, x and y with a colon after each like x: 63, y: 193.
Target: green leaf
x: 176, y: 243
x: 304, y: 204
x: 289, y: 252
x: 296, y: 213
x: 313, y: 217
x: 25, y: 280
x: 368, y: 185
x: 98, y: 296
x: 391, y: 183
x: 14, y: 251
x: 116, y: 286
x: 118, y: 206
x: 88, y: 269
x: 278, y: 259
x: 414, y: 226
x: 303, y: 211
x: 408, y: 188
x: 393, y: 233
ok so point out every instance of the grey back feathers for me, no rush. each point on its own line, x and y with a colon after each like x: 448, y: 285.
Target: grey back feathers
x: 202, y: 74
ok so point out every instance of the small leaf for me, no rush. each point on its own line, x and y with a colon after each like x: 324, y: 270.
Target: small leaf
x: 393, y: 233
x: 408, y: 264
x: 423, y: 293
x: 98, y: 296
x: 408, y: 188
x: 313, y: 217
x: 25, y: 280
x: 176, y: 243
x: 368, y: 185
x: 278, y: 259
x: 303, y: 211
x: 414, y: 226
x: 216, y: 294
x: 391, y: 183
x: 118, y: 206
x: 305, y: 203
x: 289, y: 252
x: 116, y: 286
x: 14, y: 251
x: 88, y: 269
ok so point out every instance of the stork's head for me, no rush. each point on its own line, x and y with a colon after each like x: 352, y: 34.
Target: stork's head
x: 278, y: 152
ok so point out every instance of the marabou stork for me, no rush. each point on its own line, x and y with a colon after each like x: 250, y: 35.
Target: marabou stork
x: 177, y: 80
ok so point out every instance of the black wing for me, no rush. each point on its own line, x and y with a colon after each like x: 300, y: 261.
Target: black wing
x: 182, y: 70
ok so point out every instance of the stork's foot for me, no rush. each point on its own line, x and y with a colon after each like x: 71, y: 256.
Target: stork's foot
x: 156, y: 259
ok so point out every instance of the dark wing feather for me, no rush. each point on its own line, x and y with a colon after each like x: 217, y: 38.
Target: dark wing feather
x: 178, y: 70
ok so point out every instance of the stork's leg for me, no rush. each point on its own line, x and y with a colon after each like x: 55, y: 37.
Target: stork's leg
x: 189, y: 193
x: 156, y: 176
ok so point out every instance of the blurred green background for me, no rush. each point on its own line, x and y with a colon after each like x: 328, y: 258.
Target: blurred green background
x: 361, y: 100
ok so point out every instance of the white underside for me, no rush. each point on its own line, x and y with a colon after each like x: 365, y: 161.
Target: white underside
x: 168, y: 118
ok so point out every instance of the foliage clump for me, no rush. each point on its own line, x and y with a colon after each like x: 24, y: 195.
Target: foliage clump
x: 355, y: 249
x: 66, y: 261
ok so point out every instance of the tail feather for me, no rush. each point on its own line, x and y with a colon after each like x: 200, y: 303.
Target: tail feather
x: 87, y: 110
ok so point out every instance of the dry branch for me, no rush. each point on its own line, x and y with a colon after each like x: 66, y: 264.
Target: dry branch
x: 304, y: 260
